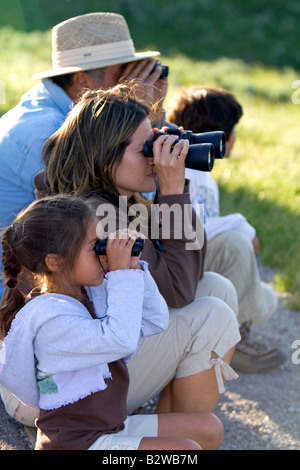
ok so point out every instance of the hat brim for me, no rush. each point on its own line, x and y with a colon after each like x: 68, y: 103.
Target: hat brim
x: 95, y: 65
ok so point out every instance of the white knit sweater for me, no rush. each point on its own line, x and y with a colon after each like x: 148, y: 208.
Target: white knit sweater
x: 55, y: 353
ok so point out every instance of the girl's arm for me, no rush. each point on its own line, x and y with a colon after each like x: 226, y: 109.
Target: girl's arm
x: 85, y: 342
x: 132, y: 305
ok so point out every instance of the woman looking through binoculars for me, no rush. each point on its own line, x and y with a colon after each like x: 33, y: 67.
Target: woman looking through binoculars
x: 98, y: 154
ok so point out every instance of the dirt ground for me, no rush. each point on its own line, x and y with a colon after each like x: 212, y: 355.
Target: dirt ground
x: 259, y: 411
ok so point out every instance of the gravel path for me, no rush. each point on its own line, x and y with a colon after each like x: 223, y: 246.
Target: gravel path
x: 259, y: 411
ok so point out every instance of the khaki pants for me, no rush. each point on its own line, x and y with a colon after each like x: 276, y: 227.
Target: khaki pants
x: 231, y: 255
x: 207, y: 324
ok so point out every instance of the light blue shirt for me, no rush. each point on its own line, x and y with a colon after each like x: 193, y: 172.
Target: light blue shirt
x: 23, y: 131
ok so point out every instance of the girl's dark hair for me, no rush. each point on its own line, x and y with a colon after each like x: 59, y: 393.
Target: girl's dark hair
x: 55, y: 225
x: 79, y: 157
x: 204, y: 109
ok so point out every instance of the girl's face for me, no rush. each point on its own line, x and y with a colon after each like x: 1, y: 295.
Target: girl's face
x: 89, y: 268
x: 134, y: 172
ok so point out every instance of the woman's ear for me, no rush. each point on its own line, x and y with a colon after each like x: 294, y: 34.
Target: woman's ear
x: 53, y: 262
x: 81, y: 81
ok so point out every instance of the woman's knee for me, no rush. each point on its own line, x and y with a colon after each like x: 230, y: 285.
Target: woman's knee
x: 214, y: 285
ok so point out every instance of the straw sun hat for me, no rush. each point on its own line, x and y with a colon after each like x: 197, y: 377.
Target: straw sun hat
x: 91, y: 41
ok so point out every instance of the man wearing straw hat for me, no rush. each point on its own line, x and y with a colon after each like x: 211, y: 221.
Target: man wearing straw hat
x: 89, y: 51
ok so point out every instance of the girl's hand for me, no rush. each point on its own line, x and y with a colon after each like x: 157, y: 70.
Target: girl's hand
x: 169, y: 163
x: 118, y: 250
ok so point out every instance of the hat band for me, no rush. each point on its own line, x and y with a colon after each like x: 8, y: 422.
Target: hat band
x: 97, y: 53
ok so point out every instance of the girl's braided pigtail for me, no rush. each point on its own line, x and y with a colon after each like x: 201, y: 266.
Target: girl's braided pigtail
x: 13, y: 298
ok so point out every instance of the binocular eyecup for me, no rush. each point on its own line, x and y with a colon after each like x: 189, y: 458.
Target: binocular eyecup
x: 100, y: 247
x: 203, y: 150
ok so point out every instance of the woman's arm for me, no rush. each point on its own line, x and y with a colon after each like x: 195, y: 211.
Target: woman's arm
x: 175, y: 260
x: 176, y: 252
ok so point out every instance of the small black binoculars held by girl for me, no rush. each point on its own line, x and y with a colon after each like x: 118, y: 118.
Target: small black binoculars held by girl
x: 100, y: 247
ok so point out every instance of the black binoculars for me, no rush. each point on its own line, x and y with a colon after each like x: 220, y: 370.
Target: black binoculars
x: 100, y: 247
x: 203, y: 150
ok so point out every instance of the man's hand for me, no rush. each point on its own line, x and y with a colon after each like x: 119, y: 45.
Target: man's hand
x: 150, y: 89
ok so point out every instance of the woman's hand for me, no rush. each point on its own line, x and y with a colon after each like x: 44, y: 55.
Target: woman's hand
x: 169, y: 163
x: 118, y: 250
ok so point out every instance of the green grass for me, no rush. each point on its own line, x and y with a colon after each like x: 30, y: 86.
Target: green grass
x: 21, y: 56
x: 250, y: 48
x: 255, y: 31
